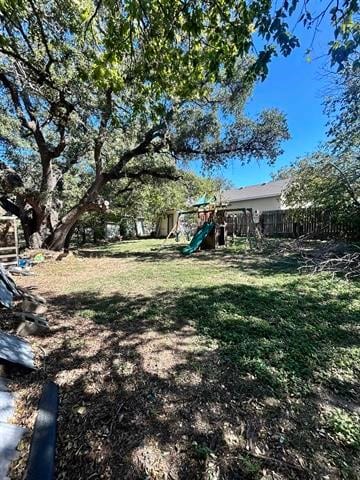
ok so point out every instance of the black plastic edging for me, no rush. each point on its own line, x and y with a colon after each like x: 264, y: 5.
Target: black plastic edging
x: 41, y: 463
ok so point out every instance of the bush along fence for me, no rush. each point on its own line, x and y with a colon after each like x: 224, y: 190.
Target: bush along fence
x: 288, y: 223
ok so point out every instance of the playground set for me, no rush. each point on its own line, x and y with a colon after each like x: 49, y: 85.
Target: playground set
x: 212, y: 225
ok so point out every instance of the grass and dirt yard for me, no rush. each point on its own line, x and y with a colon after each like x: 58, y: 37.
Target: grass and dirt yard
x: 222, y: 365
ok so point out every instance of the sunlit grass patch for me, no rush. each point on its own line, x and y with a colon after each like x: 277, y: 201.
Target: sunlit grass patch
x: 345, y: 426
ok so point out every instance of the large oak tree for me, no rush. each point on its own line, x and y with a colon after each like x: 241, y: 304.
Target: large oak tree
x: 113, y: 92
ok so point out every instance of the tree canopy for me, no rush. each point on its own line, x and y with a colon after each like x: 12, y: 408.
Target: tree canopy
x: 342, y: 105
x: 326, y: 182
x: 155, y: 199
x: 330, y: 177
x: 107, y: 91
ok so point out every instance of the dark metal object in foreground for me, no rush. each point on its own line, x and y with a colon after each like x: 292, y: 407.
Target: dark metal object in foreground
x: 41, y: 463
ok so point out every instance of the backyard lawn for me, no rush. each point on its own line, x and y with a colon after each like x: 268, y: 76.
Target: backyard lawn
x: 225, y: 365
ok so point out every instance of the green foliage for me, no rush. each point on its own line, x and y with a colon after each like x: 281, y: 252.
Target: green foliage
x: 164, y: 49
x: 201, y: 450
x: 345, y: 426
x: 250, y: 467
x: 342, y: 106
x: 123, y: 94
x: 173, y: 46
x: 113, y: 92
x: 153, y: 200
x: 330, y: 179
x: 326, y: 182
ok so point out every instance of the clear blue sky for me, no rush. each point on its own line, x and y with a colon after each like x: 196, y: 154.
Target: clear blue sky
x: 294, y: 86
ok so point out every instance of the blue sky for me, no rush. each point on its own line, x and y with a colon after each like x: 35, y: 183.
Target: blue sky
x: 294, y: 86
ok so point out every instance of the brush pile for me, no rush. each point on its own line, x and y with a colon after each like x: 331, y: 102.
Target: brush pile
x: 334, y: 257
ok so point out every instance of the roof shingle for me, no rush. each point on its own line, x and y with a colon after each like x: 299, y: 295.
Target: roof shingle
x: 262, y: 190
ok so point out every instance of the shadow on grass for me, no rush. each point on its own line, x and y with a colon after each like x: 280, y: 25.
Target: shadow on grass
x: 283, y: 336
x: 161, y: 402
x: 252, y: 263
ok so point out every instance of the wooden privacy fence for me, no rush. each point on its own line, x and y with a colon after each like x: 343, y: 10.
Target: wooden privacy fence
x: 284, y: 223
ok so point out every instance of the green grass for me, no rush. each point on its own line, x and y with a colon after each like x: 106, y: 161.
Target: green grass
x: 345, y: 426
x: 290, y: 336
x: 291, y: 331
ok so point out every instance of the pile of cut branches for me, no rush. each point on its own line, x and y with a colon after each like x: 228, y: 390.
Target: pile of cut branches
x: 338, y: 258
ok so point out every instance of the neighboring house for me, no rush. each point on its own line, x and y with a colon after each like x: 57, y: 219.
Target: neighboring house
x: 262, y: 197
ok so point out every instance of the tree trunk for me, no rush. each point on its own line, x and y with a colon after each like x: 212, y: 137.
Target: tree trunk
x: 35, y: 225
x: 57, y: 240
x: 37, y: 212
x: 35, y: 241
x: 40, y: 218
x: 68, y: 238
x: 37, y: 222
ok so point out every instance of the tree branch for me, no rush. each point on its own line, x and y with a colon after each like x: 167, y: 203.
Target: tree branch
x: 348, y: 185
x: 43, y: 37
x: 39, y: 74
x: 100, y: 139
x: 28, y: 106
x: 93, y: 16
x: 46, y: 152
x: 10, y: 206
x: 241, y: 149
x: 160, y: 174
x: 18, y: 26
x: 141, y: 149
x: 15, y: 98
x: 32, y: 125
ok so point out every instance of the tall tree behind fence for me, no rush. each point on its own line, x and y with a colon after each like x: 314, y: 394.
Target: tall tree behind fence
x: 287, y: 223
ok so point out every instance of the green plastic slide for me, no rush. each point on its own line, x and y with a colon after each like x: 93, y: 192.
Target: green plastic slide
x: 197, y: 239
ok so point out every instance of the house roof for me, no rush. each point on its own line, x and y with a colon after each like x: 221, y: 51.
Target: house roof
x: 262, y: 190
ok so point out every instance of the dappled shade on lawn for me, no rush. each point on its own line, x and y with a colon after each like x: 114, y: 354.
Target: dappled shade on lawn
x: 188, y: 367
